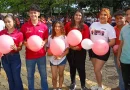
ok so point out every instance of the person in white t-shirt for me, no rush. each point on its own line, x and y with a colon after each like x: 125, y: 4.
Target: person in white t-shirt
x: 2, y: 26
x: 101, y: 30
x: 58, y: 63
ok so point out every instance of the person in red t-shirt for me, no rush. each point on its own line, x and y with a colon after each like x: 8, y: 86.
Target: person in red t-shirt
x: 43, y: 20
x: 77, y: 55
x: 35, y: 27
x: 12, y: 62
x: 66, y: 20
x: 17, y: 22
x: 120, y: 22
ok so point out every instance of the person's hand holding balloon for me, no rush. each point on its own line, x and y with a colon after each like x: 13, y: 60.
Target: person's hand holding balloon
x: 14, y: 47
x: 25, y: 43
x: 74, y: 47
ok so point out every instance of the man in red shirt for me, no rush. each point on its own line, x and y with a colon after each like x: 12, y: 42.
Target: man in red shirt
x: 35, y: 27
x: 120, y: 22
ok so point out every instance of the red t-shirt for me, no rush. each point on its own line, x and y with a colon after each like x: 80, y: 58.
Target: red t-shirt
x: 85, y: 32
x: 117, y: 41
x: 16, y: 35
x: 117, y: 30
x: 28, y: 29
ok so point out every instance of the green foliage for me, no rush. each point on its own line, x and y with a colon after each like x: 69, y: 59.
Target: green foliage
x: 48, y: 6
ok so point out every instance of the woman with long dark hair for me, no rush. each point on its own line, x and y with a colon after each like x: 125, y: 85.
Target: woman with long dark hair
x: 58, y: 63
x: 11, y: 61
x: 77, y: 55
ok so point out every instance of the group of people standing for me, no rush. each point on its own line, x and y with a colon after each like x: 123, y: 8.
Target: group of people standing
x: 75, y: 55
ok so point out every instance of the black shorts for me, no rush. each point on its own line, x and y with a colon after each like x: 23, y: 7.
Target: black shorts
x: 103, y: 57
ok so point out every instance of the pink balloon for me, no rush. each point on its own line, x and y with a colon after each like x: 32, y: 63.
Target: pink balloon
x: 1, y: 54
x: 115, y: 48
x: 100, y: 47
x: 49, y: 51
x: 74, y: 37
x: 35, y: 43
x: 57, y: 46
x: 5, y: 43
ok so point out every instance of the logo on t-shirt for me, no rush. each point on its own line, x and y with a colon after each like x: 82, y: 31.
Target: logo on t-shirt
x: 14, y: 38
x: 97, y: 32
x: 41, y: 31
x: 103, y: 28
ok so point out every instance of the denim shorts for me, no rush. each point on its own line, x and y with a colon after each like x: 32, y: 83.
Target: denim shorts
x: 62, y: 63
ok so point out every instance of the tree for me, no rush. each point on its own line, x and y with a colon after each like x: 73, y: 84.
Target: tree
x: 64, y: 6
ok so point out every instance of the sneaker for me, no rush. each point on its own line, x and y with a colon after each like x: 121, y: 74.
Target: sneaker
x: 72, y: 86
x: 84, y: 88
x: 100, y: 88
x: 59, y: 89
x: 94, y: 88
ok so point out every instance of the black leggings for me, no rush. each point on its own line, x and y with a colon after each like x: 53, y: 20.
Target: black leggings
x: 126, y: 75
x: 76, y: 60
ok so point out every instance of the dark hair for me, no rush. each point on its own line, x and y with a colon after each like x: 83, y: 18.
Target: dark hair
x: 120, y: 12
x: 81, y: 24
x: 34, y: 7
x: 0, y: 17
x: 62, y: 28
x: 42, y: 16
x: 126, y: 9
x: 10, y: 16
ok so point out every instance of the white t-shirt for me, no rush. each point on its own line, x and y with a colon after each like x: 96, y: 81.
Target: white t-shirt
x: 52, y: 60
x: 89, y: 20
x: 113, y: 20
x: 2, y: 25
x: 101, y: 31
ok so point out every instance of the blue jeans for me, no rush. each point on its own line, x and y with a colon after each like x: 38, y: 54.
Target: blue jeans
x: 121, y: 82
x: 41, y: 64
x: 12, y: 66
